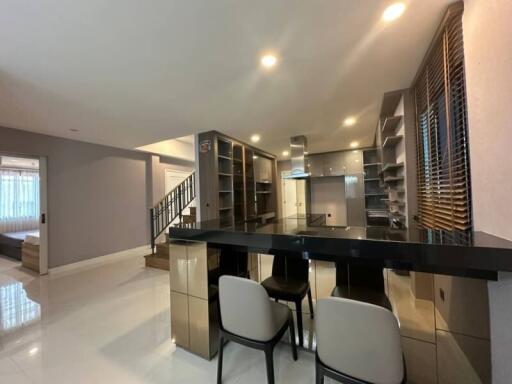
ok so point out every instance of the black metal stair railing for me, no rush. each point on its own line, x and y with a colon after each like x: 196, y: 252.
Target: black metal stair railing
x: 171, y: 207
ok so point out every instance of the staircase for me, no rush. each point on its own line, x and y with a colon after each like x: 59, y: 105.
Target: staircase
x: 170, y: 210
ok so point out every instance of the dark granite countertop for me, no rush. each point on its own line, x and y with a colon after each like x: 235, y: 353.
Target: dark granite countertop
x: 472, y: 254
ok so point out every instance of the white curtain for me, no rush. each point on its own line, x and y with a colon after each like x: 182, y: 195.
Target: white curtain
x: 19, y: 200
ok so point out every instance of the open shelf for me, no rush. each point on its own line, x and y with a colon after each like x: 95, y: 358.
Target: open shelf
x: 371, y: 156
x: 372, y: 164
x: 393, y: 179
x: 224, y: 157
x: 225, y: 148
x: 390, y: 124
x: 392, y: 167
x: 372, y: 179
x: 391, y: 141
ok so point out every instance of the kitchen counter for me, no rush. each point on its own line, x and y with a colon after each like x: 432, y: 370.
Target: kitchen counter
x: 469, y: 254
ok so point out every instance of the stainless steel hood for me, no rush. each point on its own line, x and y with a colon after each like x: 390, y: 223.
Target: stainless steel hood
x: 298, y: 146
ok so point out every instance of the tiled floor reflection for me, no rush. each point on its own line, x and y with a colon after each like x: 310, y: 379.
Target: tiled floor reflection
x: 111, y: 324
x: 16, y: 309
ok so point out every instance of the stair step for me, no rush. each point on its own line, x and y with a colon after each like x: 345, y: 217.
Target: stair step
x: 155, y: 261
x: 162, y: 250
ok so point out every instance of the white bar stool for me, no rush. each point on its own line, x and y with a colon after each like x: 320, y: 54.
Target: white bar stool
x: 357, y: 343
x: 248, y: 317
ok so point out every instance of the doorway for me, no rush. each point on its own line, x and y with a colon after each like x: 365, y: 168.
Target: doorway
x: 23, y: 210
x: 294, y: 196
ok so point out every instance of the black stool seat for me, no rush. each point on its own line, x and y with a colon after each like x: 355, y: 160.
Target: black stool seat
x: 283, y: 289
x: 290, y: 282
x: 364, y: 294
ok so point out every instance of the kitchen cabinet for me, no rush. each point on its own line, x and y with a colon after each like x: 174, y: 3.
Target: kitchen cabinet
x: 353, y: 162
x: 335, y: 163
x: 263, y: 170
x: 315, y: 165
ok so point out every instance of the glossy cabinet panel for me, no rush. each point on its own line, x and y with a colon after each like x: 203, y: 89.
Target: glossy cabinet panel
x: 178, y: 267
x: 199, y: 326
x: 315, y: 165
x: 263, y: 170
x: 197, y: 270
x: 179, y: 319
x: 354, y: 162
x: 420, y: 359
x: 354, y: 198
x: 462, y: 306
x: 463, y: 359
x: 334, y: 164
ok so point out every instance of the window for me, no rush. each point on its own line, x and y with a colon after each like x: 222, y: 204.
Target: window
x: 444, y: 190
x: 19, y: 200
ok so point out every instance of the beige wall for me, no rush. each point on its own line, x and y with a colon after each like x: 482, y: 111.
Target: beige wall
x: 488, y: 54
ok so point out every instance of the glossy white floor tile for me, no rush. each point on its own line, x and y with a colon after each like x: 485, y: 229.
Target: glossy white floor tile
x: 111, y: 324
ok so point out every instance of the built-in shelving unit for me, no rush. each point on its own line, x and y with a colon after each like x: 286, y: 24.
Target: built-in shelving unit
x: 392, y: 167
x: 390, y: 124
x: 392, y: 141
x: 225, y: 174
x: 236, y: 180
x: 375, y: 208
x: 391, y: 136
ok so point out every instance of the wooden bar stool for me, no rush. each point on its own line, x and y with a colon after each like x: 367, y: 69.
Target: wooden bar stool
x: 250, y: 318
x: 357, y: 343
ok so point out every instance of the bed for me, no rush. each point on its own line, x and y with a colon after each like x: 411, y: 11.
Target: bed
x: 11, y: 243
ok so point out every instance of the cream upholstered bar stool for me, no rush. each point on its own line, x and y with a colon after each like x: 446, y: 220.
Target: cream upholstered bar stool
x: 357, y: 343
x: 250, y: 318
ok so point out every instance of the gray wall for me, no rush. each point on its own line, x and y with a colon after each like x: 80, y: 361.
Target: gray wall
x: 98, y: 196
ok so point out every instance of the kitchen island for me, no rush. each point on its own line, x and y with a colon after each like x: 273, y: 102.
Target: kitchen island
x: 454, y: 266
x: 468, y: 254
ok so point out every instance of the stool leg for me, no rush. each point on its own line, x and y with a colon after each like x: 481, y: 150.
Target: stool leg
x: 219, y: 362
x: 319, y: 375
x: 292, y: 337
x: 269, y: 357
x: 310, y: 301
x: 300, y: 330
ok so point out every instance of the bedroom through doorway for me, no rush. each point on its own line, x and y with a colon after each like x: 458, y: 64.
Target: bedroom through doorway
x: 23, y: 235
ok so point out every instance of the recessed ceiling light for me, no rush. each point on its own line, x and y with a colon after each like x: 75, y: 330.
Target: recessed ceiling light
x: 255, y: 138
x: 393, y: 12
x: 254, y: 157
x: 349, y: 121
x: 285, y: 153
x: 268, y: 61
x: 354, y: 144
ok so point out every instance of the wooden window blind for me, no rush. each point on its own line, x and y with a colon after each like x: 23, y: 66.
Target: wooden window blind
x: 444, y: 188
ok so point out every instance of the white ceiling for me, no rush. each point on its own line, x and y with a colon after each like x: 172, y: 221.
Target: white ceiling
x: 130, y: 72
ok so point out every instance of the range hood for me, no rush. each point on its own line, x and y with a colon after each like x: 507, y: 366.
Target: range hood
x: 298, y: 146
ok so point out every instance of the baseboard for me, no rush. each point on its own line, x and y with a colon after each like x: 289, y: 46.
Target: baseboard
x: 105, y: 259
